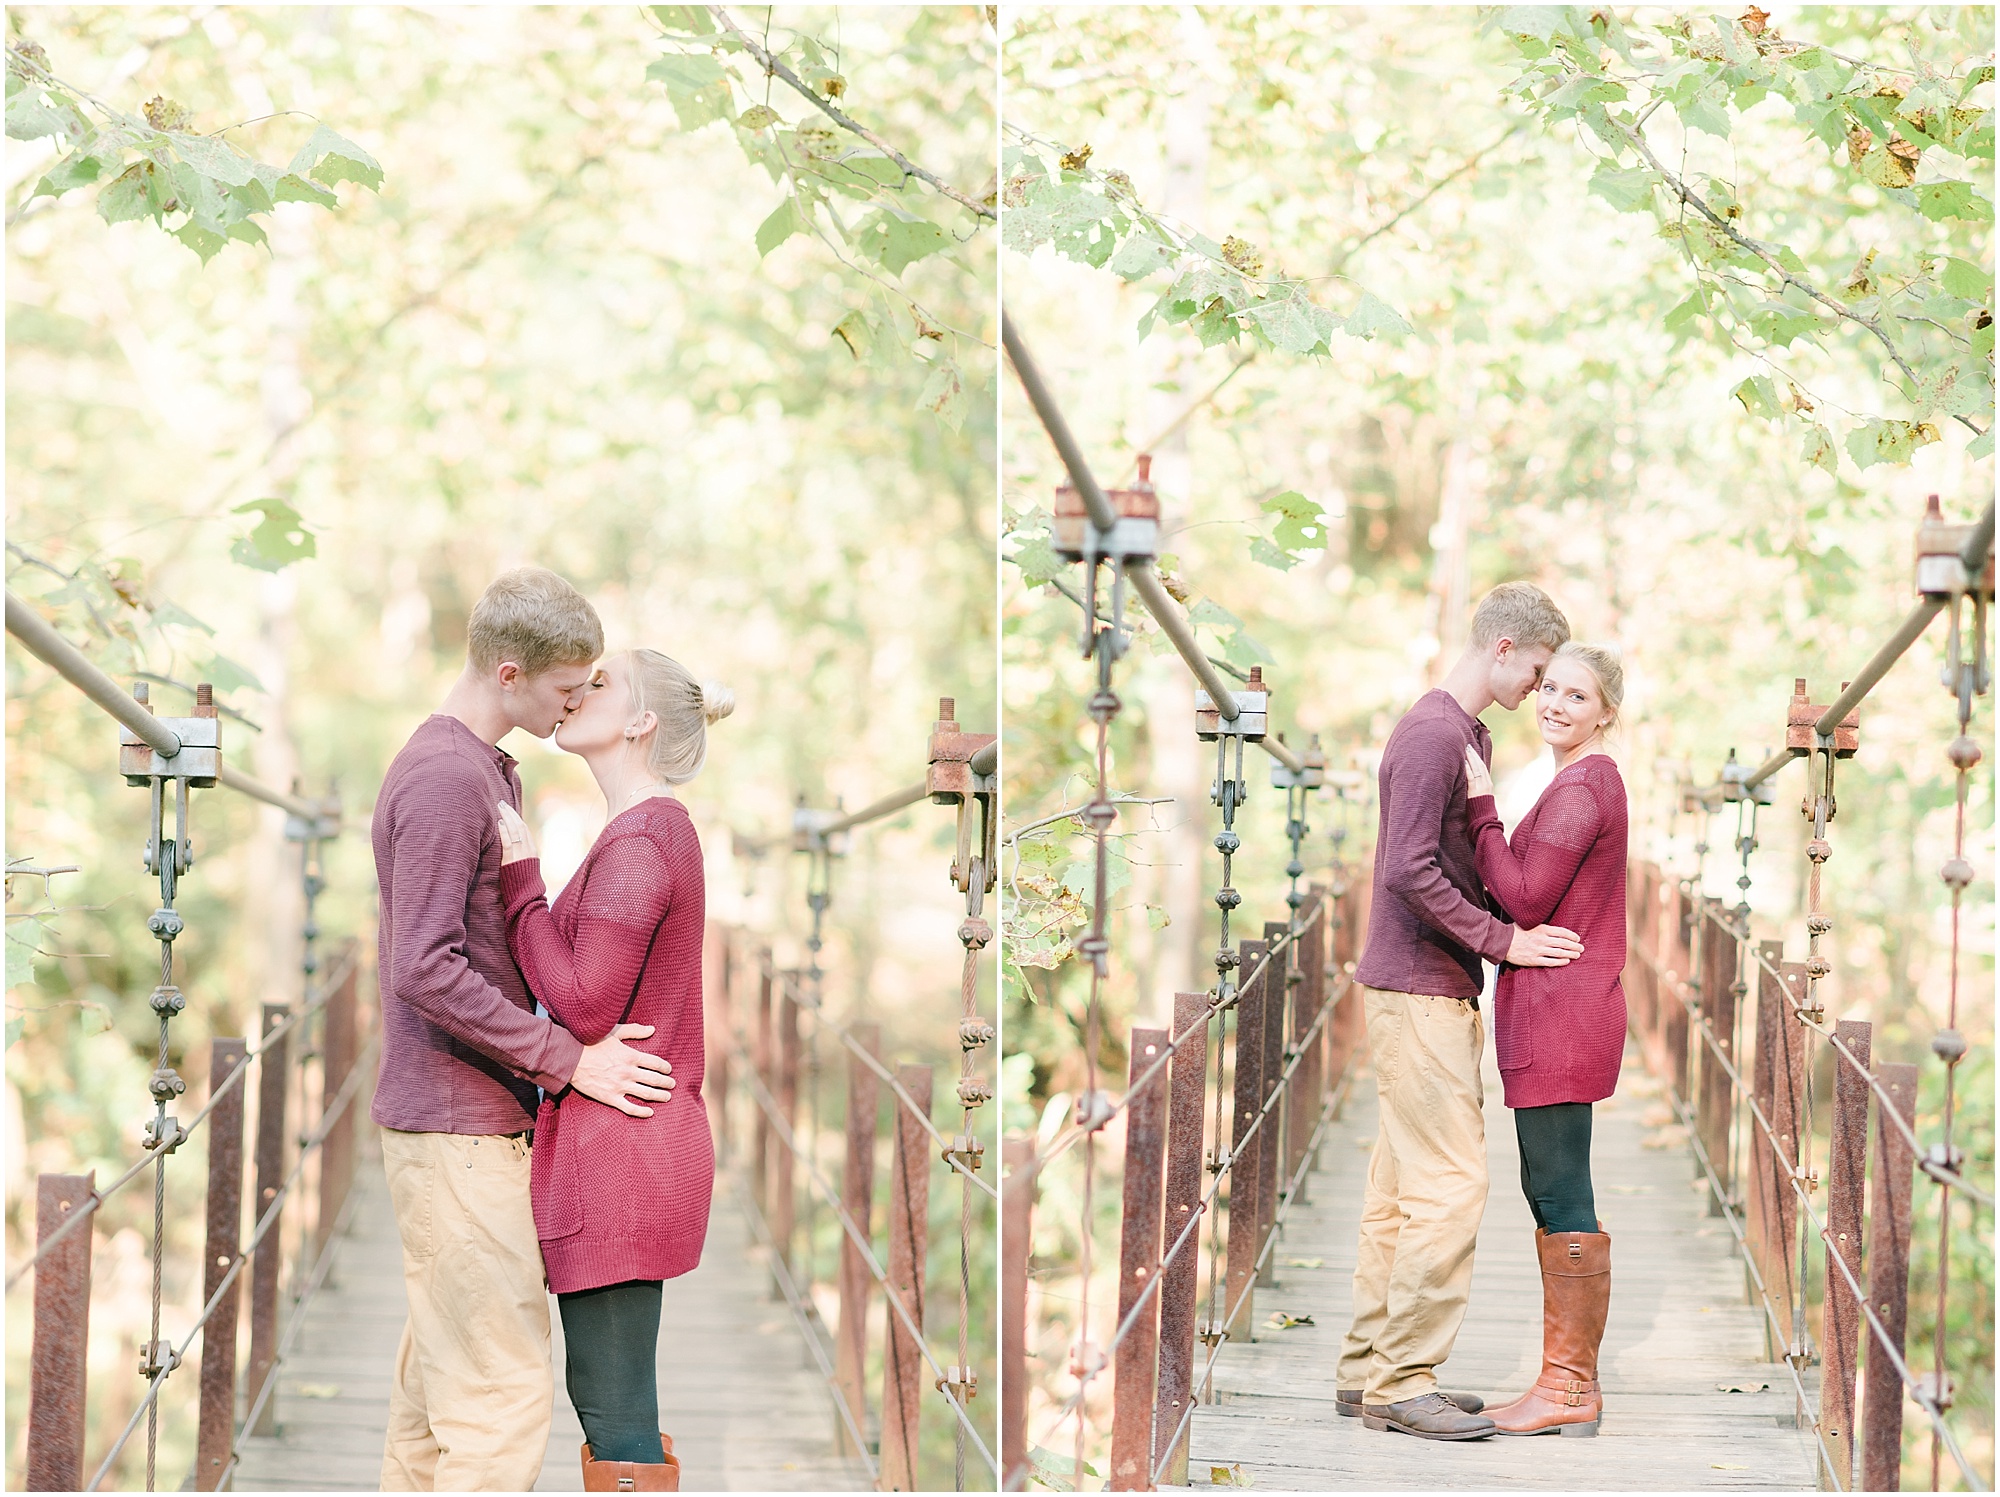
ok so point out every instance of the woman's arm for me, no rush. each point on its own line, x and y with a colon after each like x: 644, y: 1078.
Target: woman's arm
x: 1530, y: 880
x: 587, y: 981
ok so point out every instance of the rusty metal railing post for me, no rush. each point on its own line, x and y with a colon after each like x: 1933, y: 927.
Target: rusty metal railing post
x: 1310, y: 965
x: 273, y: 1077
x: 1682, y: 963
x: 1273, y: 1142
x: 1180, y: 1284
x: 1243, y: 1170
x: 338, y: 1042
x: 784, y: 1202
x: 1718, y: 1097
x: 857, y: 1196
x: 57, y: 1362
x: 1350, y: 1020
x: 1017, y: 1206
x: 760, y: 1059
x: 909, y: 1237
x: 1772, y: 1014
x: 1888, y: 1284
x: 1137, y: 1360
x: 217, y: 1429
x: 1788, y: 1099
x: 1846, y: 1185
x: 716, y: 973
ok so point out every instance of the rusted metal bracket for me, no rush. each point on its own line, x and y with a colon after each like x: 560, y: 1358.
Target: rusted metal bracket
x: 1941, y: 571
x: 1801, y: 737
x: 1734, y: 773
x: 1253, y: 712
x: 1310, y: 777
x: 1134, y: 534
x: 961, y: 770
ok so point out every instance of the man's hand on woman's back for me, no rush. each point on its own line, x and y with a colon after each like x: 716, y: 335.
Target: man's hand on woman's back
x: 1544, y: 946
x: 613, y: 1073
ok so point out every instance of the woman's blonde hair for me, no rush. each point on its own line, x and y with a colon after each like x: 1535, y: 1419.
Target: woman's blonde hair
x: 1606, y: 666
x: 682, y: 708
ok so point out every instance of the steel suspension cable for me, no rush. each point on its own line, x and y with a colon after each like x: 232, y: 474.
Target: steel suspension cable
x: 786, y: 1136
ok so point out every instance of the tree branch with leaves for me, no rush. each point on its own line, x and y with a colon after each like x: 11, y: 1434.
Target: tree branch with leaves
x: 1910, y: 147
x: 714, y: 66
x: 155, y: 165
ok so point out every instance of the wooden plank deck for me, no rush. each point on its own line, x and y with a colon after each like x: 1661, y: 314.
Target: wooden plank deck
x: 738, y: 1391
x: 1679, y: 1332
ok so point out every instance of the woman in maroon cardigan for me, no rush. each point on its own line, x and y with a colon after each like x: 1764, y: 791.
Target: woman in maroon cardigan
x: 621, y: 1202
x: 1559, y: 1032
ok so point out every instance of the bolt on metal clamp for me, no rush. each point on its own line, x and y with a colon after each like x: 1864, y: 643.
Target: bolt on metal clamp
x: 163, y: 1135
x: 156, y: 1357
x: 961, y: 1383
x: 1135, y: 531
x: 1086, y: 1359
x: 965, y: 1149
x: 1094, y: 1110
x: 1253, y: 712
x: 973, y: 1092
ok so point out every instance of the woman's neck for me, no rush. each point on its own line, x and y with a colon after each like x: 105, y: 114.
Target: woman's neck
x: 623, y: 782
x: 1591, y: 745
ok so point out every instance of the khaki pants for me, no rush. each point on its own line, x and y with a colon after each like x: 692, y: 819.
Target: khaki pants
x: 473, y: 1394
x: 1426, y: 1193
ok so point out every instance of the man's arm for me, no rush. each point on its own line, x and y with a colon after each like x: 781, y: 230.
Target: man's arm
x: 434, y: 848
x: 1421, y: 781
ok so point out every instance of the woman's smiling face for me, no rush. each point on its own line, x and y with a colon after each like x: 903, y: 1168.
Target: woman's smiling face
x: 1569, y: 708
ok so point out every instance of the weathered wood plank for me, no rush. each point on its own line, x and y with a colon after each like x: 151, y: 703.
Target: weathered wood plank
x: 737, y: 1391
x: 1679, y: 1333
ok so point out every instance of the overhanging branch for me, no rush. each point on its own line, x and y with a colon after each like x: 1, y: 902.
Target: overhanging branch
x: 1769, y: 256
x: 775, y: 66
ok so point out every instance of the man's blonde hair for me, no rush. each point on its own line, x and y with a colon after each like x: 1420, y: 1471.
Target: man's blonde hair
x: 1522, y: 612
x: 535, y: 619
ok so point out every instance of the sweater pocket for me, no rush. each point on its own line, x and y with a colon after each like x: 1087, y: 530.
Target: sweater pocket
x: 555, y: 1175
x: 1513, y: 1026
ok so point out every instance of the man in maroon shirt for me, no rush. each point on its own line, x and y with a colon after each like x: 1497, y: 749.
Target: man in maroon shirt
x: 1429, y: 926
x: 464, y: 1053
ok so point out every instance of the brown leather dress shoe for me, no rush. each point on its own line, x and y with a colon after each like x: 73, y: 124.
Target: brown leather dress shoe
x: 1431, y: 1417
x: 1347, y: 1401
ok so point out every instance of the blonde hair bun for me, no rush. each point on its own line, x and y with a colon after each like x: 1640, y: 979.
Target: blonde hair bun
x: 717, y: 701
x: 682, y: 709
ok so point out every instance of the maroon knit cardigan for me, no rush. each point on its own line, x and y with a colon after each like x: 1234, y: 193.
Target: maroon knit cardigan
x: 619, y: 1197
x: 1559, y: 1032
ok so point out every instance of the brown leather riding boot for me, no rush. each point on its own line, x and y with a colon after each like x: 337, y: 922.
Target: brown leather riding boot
x: 1576, y: 1298
x: 632, y: 1476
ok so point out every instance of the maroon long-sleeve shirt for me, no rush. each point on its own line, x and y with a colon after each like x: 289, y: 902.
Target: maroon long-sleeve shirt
x: 1559, y: 1032
x: 618, y: 1197
x: 462, y: 1046
x: 1429, y: 924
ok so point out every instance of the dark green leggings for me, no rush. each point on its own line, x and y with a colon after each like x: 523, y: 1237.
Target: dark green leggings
x: 1555, y: 1165
x: 610, y: 1339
